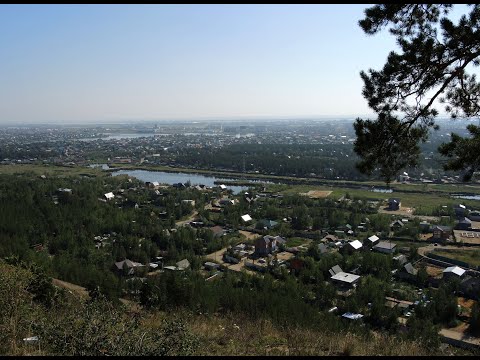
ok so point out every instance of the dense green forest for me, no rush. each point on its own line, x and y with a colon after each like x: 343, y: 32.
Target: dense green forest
x: 49, y: 227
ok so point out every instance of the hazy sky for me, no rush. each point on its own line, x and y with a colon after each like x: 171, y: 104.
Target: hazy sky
x: 76, y: 63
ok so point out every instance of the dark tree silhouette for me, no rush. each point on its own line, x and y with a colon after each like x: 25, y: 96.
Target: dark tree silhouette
x: 435, y: 54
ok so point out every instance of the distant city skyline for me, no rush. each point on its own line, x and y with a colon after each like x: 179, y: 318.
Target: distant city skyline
x: 116, y: 63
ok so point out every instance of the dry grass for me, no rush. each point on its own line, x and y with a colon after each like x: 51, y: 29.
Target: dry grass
x: 249, y: 235
x: 434, y: 271
x: 239, y: 336
x: 404, y: 211
x: 72, y: 288
x: 316, y: 194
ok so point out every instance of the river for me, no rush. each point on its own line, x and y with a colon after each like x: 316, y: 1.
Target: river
x: 175, y: 178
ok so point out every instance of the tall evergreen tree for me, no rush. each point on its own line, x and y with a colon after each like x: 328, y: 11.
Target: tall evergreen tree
x: 432, y: 66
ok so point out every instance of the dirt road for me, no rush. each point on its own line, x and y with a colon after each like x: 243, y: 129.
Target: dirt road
x: 188, y: 220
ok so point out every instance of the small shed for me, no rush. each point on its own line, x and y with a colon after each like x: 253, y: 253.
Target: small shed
x: 453, y: 272
x: 246, y: 218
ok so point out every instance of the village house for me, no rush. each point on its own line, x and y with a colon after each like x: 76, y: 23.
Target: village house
x: 460, y: 210
x: 464, y: 224
x: 190, y: 202
x: 246, y: 218
x: 385, y: 247
x: 372, y: 240
x: 329, y: 238
x: 64, y: 190
x: 265, y: 245
x: 218, y: 231
x: 397, y: 224
x: 183, y: 264
x: 225, y: 202
x: 425, y: 226
x: 109, y: 196
x: 345, y: 281
x: 407, y: 272
x: 152, y: 185
x: 352, y: 247
x: 335, y: 270
x: 211, y: 266
x: 470, y: 287
x: 130, y: 267
x: 267, y: 224
x: 455, y: 272
x: 441, y: 233
x: 400, y: 259
x: 394, y: 204
x: 474, y: 215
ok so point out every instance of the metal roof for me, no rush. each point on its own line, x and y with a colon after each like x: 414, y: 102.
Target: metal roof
x: 455, y: 270
x: 345, y: 277
x: 355, y: 244
x: 385, y: 245
x: 246, y: 217
x: 373, y: 238
x: 352, y: 316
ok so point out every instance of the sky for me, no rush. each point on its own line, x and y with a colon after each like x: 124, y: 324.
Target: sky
x: 97, y: 63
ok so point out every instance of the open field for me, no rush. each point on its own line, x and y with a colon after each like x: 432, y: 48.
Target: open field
x: 297, y: 241
x: 471, y: 256
x: 404, y: 211
x: 317, y: 194
x: 434, y: 271
x: 423, y: 203
x: 50, y: 170
x: 429, y: 198
x: 249, y: 235
x: 467, y: 237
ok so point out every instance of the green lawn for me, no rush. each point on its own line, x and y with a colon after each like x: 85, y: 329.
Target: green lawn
x: 471, y: 257
x: 425, y: 203
x: 50, y: 170
x: 296, y: 241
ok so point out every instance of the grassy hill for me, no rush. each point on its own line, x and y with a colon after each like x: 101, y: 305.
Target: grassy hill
x: 68, y: 324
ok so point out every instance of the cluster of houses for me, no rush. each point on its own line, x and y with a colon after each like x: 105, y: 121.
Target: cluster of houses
x: 131, y: 268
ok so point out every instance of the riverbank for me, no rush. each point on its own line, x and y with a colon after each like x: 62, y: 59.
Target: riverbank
x: 255, y: 178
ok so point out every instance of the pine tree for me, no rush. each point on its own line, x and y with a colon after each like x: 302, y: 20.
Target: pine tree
x: 435, y: 55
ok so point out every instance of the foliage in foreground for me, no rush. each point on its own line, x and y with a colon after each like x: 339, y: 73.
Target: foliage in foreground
x: 70, y: 327
x: 434, y: 63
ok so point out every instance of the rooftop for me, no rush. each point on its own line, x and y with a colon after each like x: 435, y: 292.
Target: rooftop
x: 385, y: 245
x: 345, y: 277
x: 454, y: 270
x: 355, y: 244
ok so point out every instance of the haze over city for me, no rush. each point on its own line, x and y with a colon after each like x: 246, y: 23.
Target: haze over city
x: 101, y: 63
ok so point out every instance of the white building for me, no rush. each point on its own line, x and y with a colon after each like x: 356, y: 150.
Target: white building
x: 355, y: 244
x: 453, y: 271
x: 373, y: 240
x: 246, y: 218
x: 345, y: 279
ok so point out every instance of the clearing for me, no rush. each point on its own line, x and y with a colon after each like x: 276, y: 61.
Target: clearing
x: 249, y: 235
x: 469, y: 255
x: 317, y: 194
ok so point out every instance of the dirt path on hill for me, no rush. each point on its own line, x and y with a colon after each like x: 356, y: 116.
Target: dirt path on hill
x: 186, y: 221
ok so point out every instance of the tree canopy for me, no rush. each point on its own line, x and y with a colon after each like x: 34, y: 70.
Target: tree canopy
x: 434, y: 65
